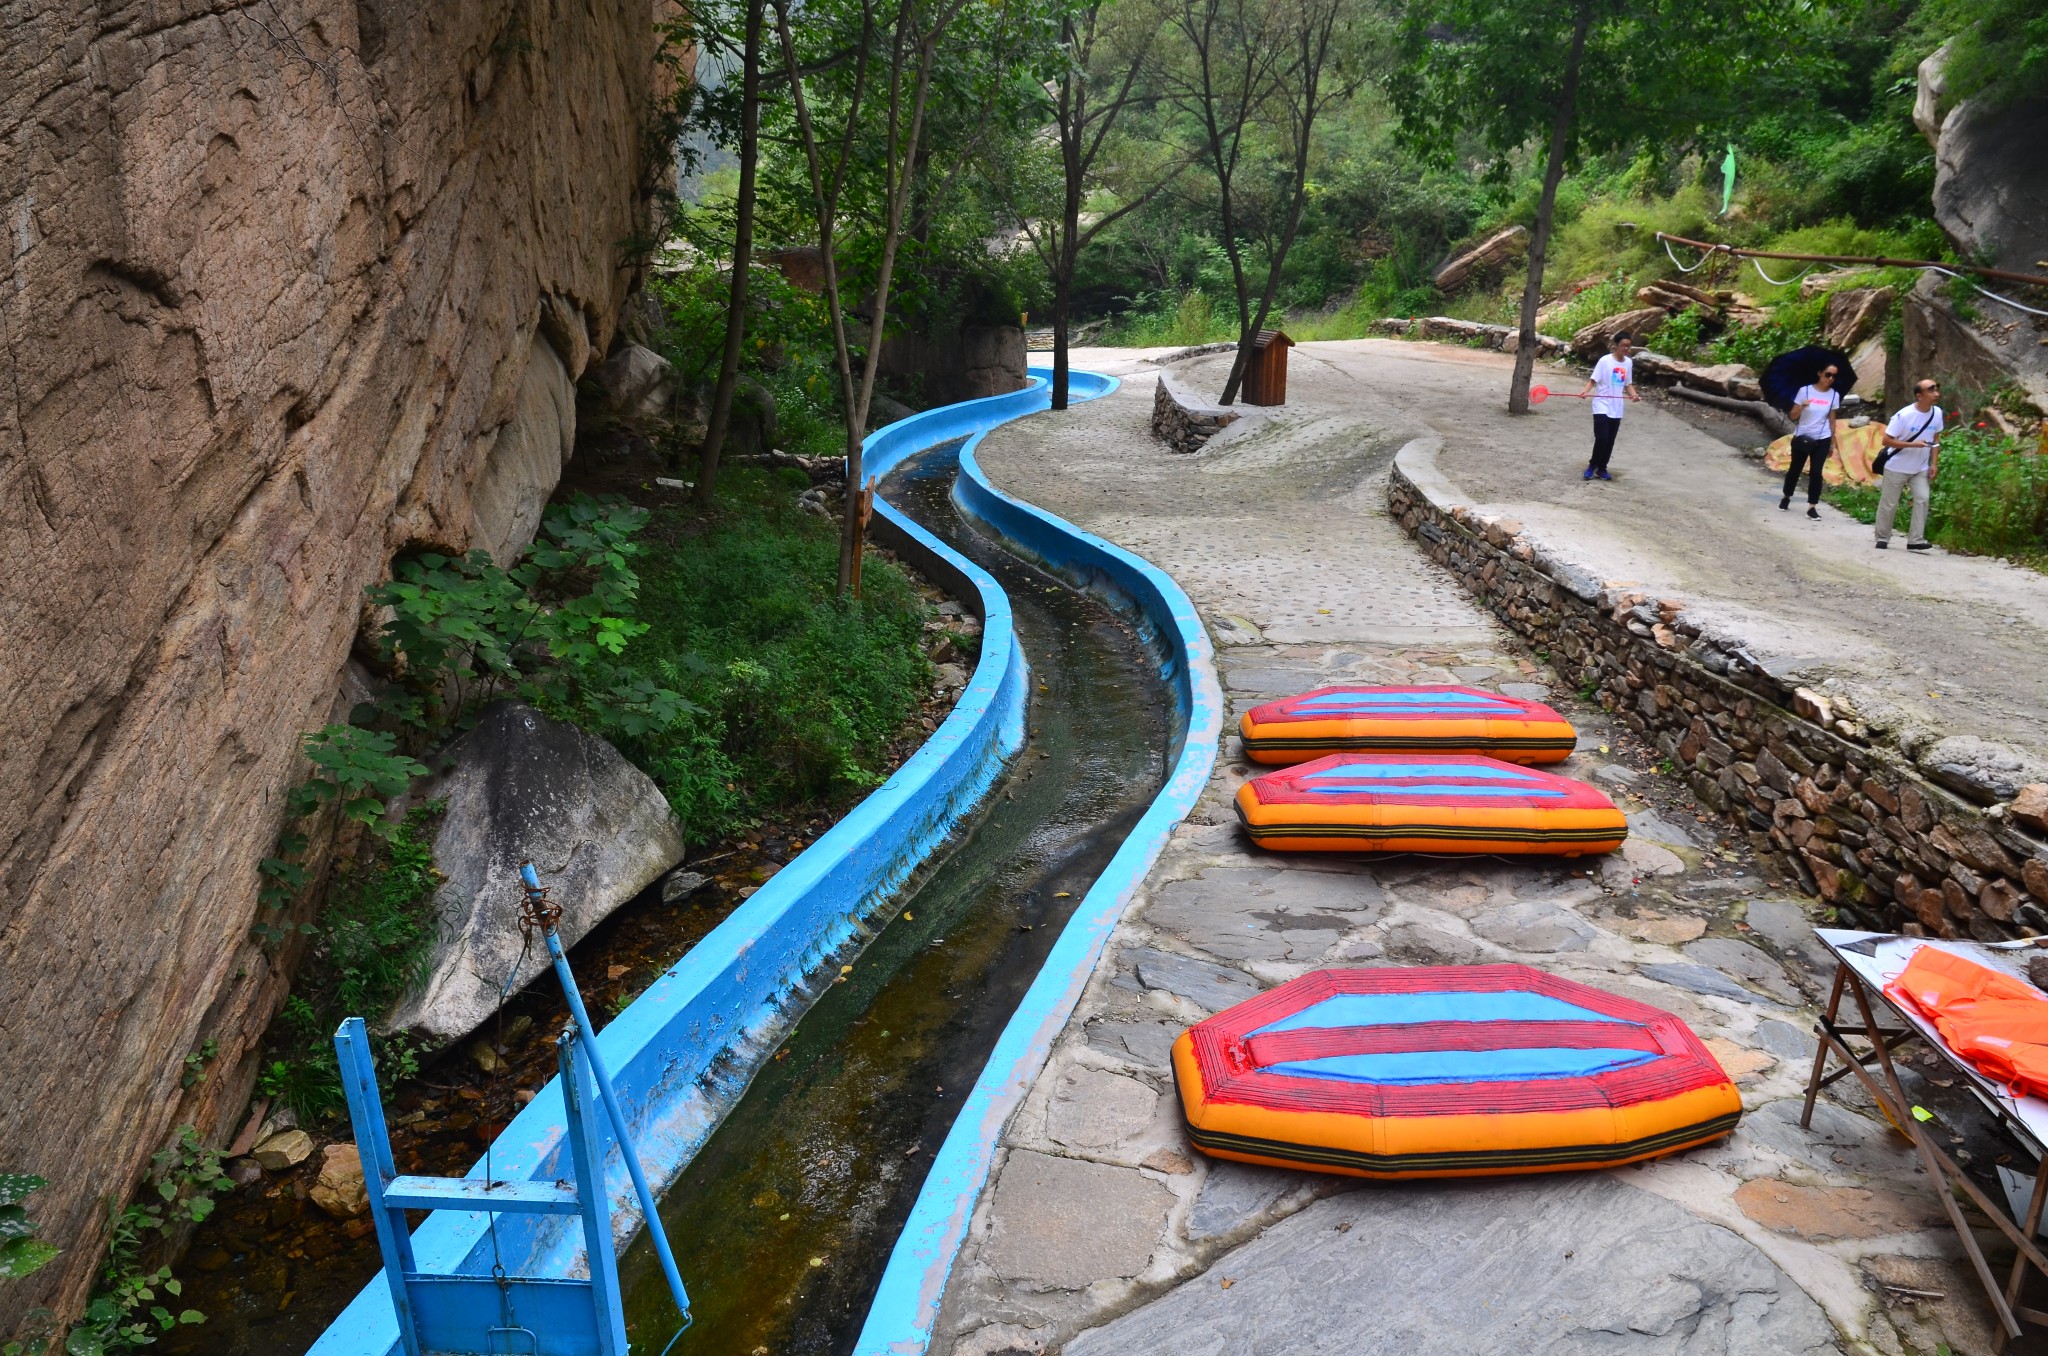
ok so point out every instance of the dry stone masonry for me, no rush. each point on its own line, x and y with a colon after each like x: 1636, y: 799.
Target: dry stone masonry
x: 1185, y: 421
x: 1926, y: 838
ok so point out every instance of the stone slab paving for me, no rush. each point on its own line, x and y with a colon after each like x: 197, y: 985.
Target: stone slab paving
x: 1104, y: 1231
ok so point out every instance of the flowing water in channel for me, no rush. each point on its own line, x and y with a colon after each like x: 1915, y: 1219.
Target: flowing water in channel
x: 783, y: 1222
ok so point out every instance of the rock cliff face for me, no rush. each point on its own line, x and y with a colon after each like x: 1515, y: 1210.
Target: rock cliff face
x: 284, y: 289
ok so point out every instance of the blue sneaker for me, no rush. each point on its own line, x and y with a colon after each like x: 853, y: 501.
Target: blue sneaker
x: 1588, y: 475
x: 1604, y: 476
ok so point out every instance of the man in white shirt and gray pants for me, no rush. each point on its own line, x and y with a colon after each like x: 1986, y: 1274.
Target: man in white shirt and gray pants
x: 1910, y: 439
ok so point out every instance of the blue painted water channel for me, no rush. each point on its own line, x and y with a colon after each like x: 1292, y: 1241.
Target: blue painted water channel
x: 785, y: 1218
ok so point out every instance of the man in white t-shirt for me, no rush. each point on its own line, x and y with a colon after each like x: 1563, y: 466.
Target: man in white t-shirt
x: 1815, y: 413
x: 1911, y: 439
x: 1613, y: 380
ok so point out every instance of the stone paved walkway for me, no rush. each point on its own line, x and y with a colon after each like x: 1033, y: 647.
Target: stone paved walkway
x: 1103, y: 1231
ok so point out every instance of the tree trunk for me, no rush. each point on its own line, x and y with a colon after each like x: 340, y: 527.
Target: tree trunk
x: 1539, y: 239
x: 1062, y: 303
x: 742, y: 259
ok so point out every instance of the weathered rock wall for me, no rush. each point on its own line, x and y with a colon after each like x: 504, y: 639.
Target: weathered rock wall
x: 1865, y: 827
x: 284, y: 289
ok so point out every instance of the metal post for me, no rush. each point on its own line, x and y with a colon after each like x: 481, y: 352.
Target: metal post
x: 536, y: 897
x: 586, y: 1151
x: 373, y: 1145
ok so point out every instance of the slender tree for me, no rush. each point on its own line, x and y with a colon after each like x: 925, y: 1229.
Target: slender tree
x: 1327, y: 43
x: 1230, y: 63
x: 1110, y: 48
x: 1256, y: 79
x: 742, y: 252
x: 864, y: 147
x: 1590, y: 76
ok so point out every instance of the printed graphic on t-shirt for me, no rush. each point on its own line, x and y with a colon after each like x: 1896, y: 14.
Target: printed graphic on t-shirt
x: 1813, y: 409
x: 1611, y: 380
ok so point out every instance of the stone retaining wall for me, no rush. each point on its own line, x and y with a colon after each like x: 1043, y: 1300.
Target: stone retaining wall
x: 1184, y: 420
x: 1854, y: 822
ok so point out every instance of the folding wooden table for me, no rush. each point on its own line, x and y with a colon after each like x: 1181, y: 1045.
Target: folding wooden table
x: 1865, y: 963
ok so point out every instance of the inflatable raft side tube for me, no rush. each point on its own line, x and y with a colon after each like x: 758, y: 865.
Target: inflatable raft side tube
x: 906, y: 1305
x: 683, y: 1051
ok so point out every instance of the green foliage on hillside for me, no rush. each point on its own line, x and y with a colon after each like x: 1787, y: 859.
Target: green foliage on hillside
x: 1828, y: 161
x: 800, y: 693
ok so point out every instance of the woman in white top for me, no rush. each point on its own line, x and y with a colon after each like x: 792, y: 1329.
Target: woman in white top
x: 1813, y: 436
x: 1910, y: 438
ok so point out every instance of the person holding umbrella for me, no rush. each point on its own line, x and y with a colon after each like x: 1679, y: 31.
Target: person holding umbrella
x: 1814, y: 421
x: 1910, y: 456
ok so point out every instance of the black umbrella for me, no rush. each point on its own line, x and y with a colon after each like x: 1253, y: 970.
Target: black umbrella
x: 1789, y: 371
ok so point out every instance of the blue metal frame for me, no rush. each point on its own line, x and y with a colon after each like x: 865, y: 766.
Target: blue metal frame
x: 499, y: 1314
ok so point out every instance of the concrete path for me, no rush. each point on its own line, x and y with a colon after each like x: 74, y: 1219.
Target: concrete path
x: 1958, y: 643
x: 1104, y: 1231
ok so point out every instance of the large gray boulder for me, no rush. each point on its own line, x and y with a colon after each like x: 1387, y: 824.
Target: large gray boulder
x: 634, y: 383
x: 526, y: 457
x: 1990, y: 193
x: 1930, y: 98
x: 522, y: 787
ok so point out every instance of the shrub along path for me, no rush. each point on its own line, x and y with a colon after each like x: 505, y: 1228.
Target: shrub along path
x: 1688, y: 517
x: 1102, y: 1230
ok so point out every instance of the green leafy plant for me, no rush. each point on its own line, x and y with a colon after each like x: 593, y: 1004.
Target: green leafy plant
x: 1793, y: 325
x: 799, y: 693
x: 37, y: 1329
x: 1681, y: 335
x: 357, y: 768
x: 370, y: 944
x: 21, y: 1252
x: 130, y: 1308
x: 552, y: 629
x: 196, y: 1062
x: 1612, y: 295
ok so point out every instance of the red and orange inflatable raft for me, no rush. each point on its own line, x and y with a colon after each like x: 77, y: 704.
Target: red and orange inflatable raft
x: 1444, y: 802
x: 1389, y: 719
x: 1447, y: 1071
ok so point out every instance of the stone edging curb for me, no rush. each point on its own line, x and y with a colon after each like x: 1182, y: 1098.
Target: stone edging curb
x: 1854, y: 822
x: 1185, y: 421
x: 683, y: 1051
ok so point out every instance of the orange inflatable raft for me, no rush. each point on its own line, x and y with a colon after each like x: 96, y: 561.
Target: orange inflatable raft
x: 1439, y: 719
x: 1447, y: 1071
x: 1448, y: 802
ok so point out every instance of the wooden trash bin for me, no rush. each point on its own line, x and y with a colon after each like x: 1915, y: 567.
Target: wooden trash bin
x: 1265, y: 380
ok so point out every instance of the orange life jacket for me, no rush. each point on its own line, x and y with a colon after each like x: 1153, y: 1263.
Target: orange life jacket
x: 1995, y: 1021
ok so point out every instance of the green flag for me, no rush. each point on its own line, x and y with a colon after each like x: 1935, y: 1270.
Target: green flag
x: 1728, y: 179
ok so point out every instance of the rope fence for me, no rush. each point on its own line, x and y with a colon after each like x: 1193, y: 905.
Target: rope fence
x: 1709, y: 250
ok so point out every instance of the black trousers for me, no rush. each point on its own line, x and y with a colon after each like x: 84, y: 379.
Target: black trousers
x: 1814, y: 453
x: 1605, y: 426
